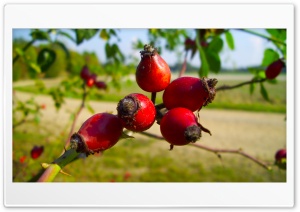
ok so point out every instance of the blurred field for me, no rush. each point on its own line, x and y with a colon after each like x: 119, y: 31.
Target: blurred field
x: 145, y: 159
x: 236, y: 99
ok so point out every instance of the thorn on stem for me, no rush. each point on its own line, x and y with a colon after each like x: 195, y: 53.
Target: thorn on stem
x: 61, y: 171
x: 45, y: 165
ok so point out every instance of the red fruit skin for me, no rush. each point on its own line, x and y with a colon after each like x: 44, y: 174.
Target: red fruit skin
x: 204, y: 44
x: 91, y: 80
x: 85, y: 73
x: 100, y: 85
x: 138, y: 117
x: 189, y: 44
x: 36, y: 152
x: 174, y: 124
x: 187, y: 92
x: 152, y: 73
x: 98, y: 133
x: 274, y: 69
x: 280, y: 154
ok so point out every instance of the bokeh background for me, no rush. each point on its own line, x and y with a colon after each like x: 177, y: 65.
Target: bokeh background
x: 47, y: 94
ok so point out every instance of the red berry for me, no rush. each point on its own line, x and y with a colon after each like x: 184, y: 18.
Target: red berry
x: 85, y: 73
x: 179, y: 127
x: 91, y: 80
x: 280, y: 155
x: 100, y: 85
x: 36, y: 152
x: 274, y: 69
x: 127, y: 175
x: 189, y: 92
x: 43, y: 106
x: 22, y: 159
x: 137, y: 112
x: 153, y: 73
x: 189, y: 44
x: 98, y: 133
x: 204, y: 43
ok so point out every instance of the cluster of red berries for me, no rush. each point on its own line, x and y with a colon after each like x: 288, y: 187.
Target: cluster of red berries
x: 91, y: 78
x: 136, y: 112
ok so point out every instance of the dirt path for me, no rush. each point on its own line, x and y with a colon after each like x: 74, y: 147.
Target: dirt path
x: 260, y: 134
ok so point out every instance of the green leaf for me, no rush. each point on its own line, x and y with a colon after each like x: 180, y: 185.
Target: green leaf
x: 46, y: 58
x: 108, y: 50
x: 125, y: 136
x: 84, y: 34
x: 63, y: 46
x: 35, y: 67
x: 252, y: 87
x: 204, y: 69
x: 89, y: 107
x: 213, y: 60
x: 19, y: 51
x: 279, y: 34
x: 261, y: 74
x: 67, y: 35
x: 216, y: 44
x: 57, y: 96
x: 104, y: 35
x: 230, y: 40
x: 79, y: 36
x: 39, y: 35
x: 264, y: 92
x: 269, y: 56
x: 272, y: 81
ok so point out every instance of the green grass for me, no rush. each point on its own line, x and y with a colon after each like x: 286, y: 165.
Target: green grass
x: 146, y: 160
x: 235, y: 99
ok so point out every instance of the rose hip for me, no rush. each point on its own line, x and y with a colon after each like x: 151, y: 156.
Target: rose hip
x: 179, y: 127
x: 98, y: 133
x: 136, y: 112
x: 189, y: 92
x: 152, y: 73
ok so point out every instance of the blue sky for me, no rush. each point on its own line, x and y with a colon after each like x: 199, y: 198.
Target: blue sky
x: 248, y: 50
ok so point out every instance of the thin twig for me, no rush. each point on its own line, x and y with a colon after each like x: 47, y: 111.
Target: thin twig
x: 263, y: 36
x: 23, y: 49
x: 77, y: 115
x: 227, y: 87
x: 19, y: 123
x: 216, y: 151
x: 183, y: 68
x: 236, y: 151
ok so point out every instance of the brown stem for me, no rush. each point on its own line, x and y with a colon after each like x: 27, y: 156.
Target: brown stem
x: 19, y: 123
x: 216, y: 151
x: 153, y: 97
x: 77, y: 115
x: 236, y: 151
x: 227, y: 87
x: 160, y: 106
x: 183, y: 68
